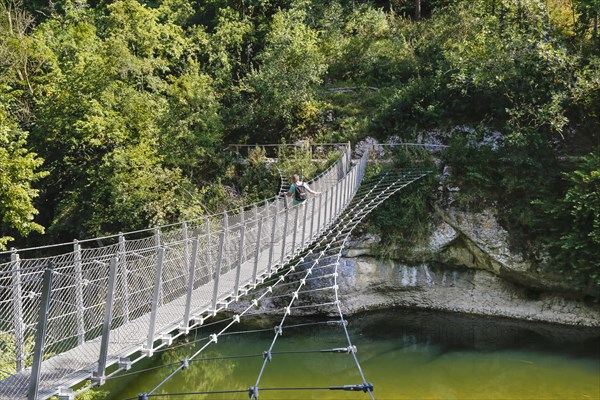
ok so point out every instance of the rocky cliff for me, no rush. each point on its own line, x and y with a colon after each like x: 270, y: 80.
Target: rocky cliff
x: 466, y: 266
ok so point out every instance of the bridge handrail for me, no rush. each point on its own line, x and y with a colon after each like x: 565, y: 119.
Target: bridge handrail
x: 163, y: 227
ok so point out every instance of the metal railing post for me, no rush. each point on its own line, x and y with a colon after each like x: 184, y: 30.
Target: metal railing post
x: 320, y: 212
x: 124, y: 277
x: 255, y: 214
x: 337, y: 199
x: 341, y: 187
x: 157, y: 236
x: 186, y: 247
x: 157, y: 241
x: 284, y: 235
x: 325, y: 208
x: 332, y: 204
x: 348, y: 187
x: 79, y: 293
x: 110, y: 296
x: 218, y: 272
x: 295, y: 228
x: 305, y: 206
x: 208, y: 243
x: 40, y: 337
x: 239, y: 263
x: 343, y: 192
x: 191, y: 278
x: 156, y: 300
x: 226, y: 242
x: 18, y: 312
x: 312, y: 217
x: 273, y: 231
x: 348, y: 156
x: 356, y: 177
x: 257, y: 254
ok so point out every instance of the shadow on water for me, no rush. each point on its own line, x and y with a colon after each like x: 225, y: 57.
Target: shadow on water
x: 456, y: 332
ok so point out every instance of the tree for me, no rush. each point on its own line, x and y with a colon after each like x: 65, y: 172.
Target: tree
x: 574, y: 242
x: 132, y: 190
x: 18, y: 171
x: 587, y: 19
x: 191, y: 127
x: 15, y: 45
x: 281, y: 90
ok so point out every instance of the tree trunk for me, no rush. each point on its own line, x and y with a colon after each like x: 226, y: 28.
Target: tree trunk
x: 417, y: 10
x: 595, y: 30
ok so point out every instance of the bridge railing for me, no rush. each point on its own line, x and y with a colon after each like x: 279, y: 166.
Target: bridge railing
x: 71, y: 316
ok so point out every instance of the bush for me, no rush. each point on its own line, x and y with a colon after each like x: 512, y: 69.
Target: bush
x: 574, y: 239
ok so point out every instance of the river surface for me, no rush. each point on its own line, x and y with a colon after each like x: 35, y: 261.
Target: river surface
x: 405, y: 354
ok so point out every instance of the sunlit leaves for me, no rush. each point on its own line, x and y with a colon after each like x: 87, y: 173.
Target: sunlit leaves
x: 19, y: 169
x: 575, y: 240
x: 291, y: 66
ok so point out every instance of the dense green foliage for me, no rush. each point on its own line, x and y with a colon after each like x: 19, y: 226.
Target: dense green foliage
x: 116, y: 114
x: 404, y: 220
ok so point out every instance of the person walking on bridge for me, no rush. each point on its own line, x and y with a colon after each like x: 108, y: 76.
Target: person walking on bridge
x: 299, y: 190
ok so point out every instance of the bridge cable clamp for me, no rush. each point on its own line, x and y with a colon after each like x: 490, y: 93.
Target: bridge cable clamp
x: 255, y: 303
x: 236, y: 318
x: 363, y: 387
x: 253, y: 392
x: 214, y: 338
x: 278, y: 330
x: 185, y: 363
x: 267, y: 355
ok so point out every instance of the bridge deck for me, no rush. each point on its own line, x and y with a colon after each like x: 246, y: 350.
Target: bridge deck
x: 251, y: 241
x: 125, y: 340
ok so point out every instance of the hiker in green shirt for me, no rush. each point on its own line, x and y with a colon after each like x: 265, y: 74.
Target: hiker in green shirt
x: 298, y: 190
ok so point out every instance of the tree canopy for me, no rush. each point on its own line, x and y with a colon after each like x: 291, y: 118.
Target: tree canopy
x: 115, y: 114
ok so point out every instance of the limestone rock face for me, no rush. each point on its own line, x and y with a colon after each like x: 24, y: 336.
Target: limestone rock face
x: 468, y: 267
x: 369, y: 283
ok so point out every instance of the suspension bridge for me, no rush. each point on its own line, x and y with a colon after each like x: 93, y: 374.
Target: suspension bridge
x: 90, y: 313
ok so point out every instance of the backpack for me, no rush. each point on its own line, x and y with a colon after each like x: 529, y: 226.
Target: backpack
x: 300, y: 193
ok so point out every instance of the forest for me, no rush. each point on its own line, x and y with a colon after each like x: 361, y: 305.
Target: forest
x: 116, y: 115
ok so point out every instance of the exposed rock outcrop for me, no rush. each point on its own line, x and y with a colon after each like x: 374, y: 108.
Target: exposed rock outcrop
x: 466, y: 266
x: 369, y: 283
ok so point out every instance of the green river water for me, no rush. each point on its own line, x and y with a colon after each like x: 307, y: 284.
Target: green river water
x: 405, y: 354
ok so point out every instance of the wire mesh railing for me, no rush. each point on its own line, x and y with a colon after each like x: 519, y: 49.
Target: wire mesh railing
x: 70, y: 317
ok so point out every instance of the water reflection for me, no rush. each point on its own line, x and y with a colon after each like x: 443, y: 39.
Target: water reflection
x: 405, y: 354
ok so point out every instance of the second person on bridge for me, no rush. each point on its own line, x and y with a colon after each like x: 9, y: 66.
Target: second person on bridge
x: 299, y: 190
